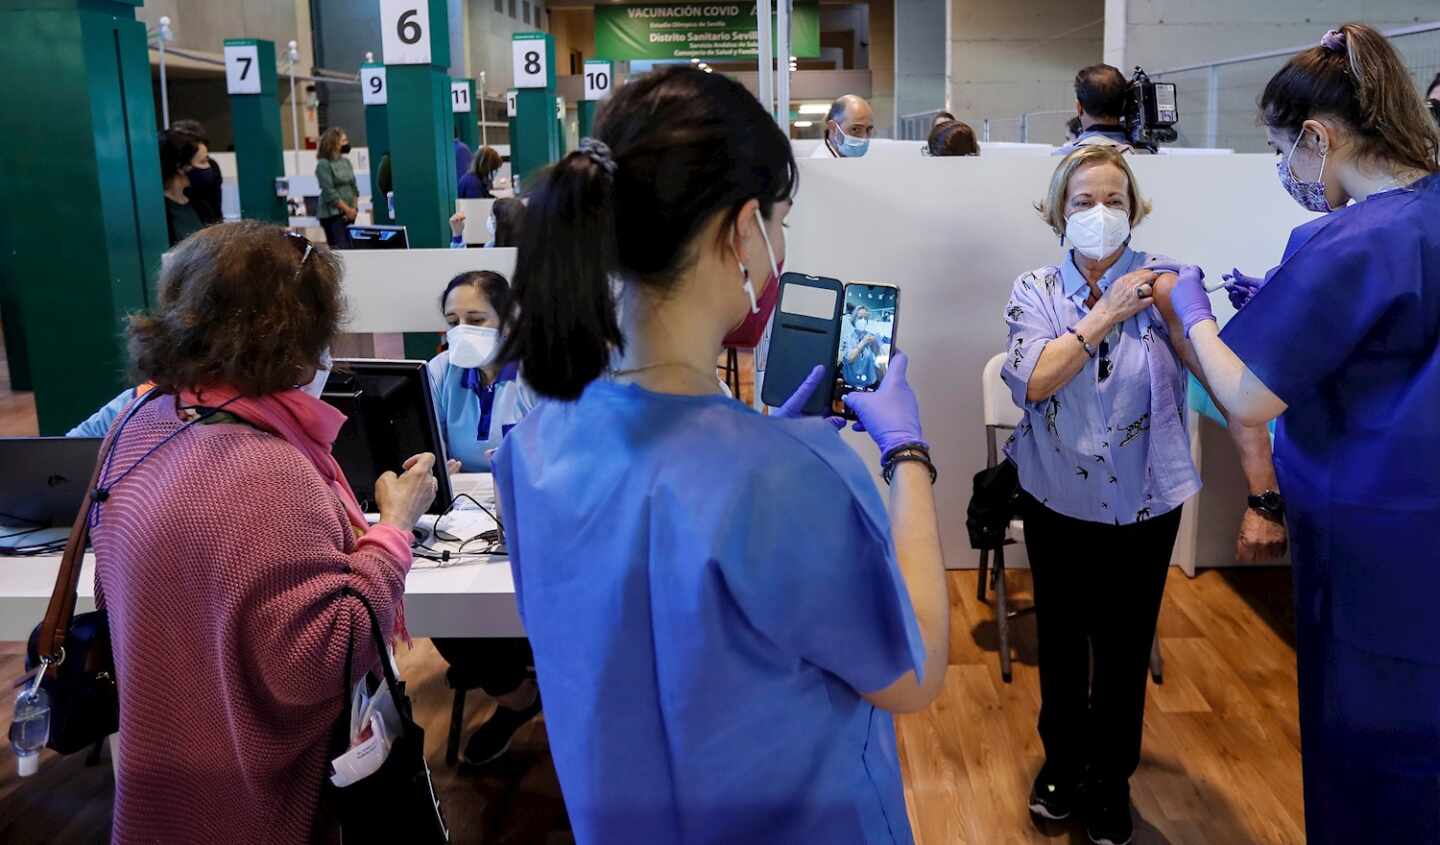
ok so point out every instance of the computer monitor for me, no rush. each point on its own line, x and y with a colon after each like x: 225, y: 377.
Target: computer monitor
x: 391, y: 416
x: 42, y: 479
x: 378, y: 237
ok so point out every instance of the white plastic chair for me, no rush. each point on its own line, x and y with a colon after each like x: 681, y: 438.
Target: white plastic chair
x: 1001, y: 414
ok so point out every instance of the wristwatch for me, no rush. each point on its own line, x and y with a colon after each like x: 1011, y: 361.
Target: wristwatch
x: 1269, y: 505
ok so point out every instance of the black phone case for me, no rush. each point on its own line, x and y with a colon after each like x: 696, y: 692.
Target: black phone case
x: 798, y: 343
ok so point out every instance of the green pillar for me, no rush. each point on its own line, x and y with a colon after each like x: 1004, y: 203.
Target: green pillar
x: 377, y: 133
x: 599, y: 81
x: 535, y: 135
x: 462, y: 102
x: 422, y: 125
x: 560, y: 125
x: 255, y: 113
x: 416, y: 40
x: 85, y: 231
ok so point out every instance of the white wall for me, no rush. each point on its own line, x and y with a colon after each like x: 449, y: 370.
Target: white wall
x: 920, y: 56
x: 1161, y: 34
x: 954, y: 233
x: 1012, y: 57
x: 489, y: 41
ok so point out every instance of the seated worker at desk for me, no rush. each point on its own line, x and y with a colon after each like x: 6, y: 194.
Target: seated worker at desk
x: 476, y: 399
x: 98, y: 425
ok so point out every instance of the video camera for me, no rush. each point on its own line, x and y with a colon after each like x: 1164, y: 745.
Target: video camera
x: 1150, y: 112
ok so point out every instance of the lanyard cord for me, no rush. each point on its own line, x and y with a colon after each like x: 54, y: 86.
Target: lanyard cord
x: 102, y: 489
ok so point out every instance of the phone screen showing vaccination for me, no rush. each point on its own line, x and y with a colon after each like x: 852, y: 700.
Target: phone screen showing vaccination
x: 867, y: 333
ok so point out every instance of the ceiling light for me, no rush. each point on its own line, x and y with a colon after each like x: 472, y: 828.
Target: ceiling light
x: 814, y: 108
x: 803, y: 124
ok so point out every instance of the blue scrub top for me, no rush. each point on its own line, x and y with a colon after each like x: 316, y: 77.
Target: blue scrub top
x: 706, y: 591
x: 1347, y: 333
x: 98, y: 425
x: 474, y: 417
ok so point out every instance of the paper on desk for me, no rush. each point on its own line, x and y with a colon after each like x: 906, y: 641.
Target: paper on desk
x: 464, y: 524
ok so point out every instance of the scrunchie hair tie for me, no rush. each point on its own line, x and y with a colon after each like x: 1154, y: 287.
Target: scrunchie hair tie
x: 1334, y: 41
x: 599, y: 152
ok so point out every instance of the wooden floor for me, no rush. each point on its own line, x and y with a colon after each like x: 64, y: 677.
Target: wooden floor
x: 1221, y: 743
x: 1221, y: 763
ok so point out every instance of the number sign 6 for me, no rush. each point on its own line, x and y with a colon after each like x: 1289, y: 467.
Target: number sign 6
x: 405, y: 31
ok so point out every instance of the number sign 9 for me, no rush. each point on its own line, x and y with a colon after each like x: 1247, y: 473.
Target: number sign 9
x: 242, y: 69
x: 405, y: 31
x: 372, y: 86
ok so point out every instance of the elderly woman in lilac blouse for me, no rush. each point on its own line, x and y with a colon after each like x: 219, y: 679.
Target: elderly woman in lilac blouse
x: 1104, y: 463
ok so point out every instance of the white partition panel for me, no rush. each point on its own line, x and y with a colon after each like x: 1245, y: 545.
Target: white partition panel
x: 476, y: 213
x: 399, y: 290
x: 954, y: 233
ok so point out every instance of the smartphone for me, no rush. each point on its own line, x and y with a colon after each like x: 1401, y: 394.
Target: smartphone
x: 867, y: 340
x: 806, y: 329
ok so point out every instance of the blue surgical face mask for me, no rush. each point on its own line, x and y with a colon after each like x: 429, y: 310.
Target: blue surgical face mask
x: 852, y: 147
x: 1310, y: 195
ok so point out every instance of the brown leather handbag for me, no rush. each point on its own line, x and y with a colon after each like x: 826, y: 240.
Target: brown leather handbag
x: 74, y: 651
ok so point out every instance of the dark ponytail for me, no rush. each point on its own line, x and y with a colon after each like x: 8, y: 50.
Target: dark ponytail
x: 1357, y: 76
x: 566, y: 325
x: 677, y: 147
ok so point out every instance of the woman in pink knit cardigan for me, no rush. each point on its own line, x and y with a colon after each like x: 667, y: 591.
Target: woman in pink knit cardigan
x: 224, y: 544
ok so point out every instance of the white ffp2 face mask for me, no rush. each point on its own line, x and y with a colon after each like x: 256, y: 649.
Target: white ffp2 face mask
x: 1098, y: 230
x: 316, y: 387
x: 472, y: 346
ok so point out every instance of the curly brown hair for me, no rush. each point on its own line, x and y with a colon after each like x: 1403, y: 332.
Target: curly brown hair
x: 240, y: 305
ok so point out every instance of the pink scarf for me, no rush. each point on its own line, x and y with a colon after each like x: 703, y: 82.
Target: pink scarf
x: 309, y: 425
x: 298, y: 418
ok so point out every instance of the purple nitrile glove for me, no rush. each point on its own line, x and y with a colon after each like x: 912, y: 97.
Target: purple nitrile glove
x: 1189, y: 300
x: 794, y: 407
x: 1242, y: 288
x: 891, y: 414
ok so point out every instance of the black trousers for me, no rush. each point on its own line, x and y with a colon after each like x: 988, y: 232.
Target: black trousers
x: 494, y: 664
x: 337, y: 231
x: 1097, y: 597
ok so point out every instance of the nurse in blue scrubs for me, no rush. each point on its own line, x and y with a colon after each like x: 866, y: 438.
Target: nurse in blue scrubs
x: 1342, y: 343
x: 723, y: 614
x: 476, y: 398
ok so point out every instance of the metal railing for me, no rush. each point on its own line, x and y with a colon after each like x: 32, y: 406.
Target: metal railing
x: 1217, y: 99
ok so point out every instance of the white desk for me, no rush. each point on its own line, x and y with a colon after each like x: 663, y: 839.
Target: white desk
x: 471, y: 599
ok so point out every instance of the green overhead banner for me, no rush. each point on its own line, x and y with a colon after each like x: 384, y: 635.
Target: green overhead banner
x: 696, y: 31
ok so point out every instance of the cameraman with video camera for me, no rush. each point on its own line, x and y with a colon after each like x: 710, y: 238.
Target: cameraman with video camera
x: 1100, y: 101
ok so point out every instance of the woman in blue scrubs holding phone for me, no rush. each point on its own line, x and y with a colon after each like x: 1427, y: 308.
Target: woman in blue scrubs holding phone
x: 722, y: 612
x: 1342, y: 343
